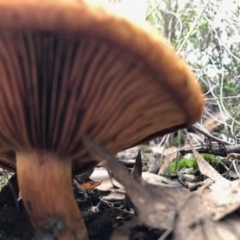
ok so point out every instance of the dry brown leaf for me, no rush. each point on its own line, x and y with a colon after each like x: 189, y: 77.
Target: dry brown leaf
x: 206, y: 169
x: 194, y: 222
x: 223, y: 198
x: 156, y: 205
x: 90, y: 185
x: 137, y: 169
x: 160, y: 180
x: 233, y: 156
x: 102, y: 175
x: 170, y: 155
x: 215, y: 122
x: 107, y: 185
x: 175, y: 208
x: 116, y: 196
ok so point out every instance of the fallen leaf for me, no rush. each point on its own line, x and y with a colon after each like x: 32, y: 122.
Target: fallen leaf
x: 156, y: 205
x: 194, y: 222
x: 170, y: 155
x: 155, y: 179
x: 206, y: 169
x: 90, y: 185
x: 189, y: 215
x: 223, y: 199
x: 137, y: 169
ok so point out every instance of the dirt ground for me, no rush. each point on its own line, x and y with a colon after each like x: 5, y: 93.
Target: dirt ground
x: 101, y: 218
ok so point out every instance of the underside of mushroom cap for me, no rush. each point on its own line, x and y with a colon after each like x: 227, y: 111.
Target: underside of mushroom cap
x: 69, y: 68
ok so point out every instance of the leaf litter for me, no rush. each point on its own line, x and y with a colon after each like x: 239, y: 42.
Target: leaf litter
x: 208, y: 213
x: 120, y: 200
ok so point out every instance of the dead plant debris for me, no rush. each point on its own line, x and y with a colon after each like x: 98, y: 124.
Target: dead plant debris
x: 123, y: 202
x: 164, y: 208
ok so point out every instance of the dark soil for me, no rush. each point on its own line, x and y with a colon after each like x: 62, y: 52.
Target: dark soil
x: 15, y: 223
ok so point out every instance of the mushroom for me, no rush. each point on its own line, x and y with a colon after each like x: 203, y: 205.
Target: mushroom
x: 69, y: 68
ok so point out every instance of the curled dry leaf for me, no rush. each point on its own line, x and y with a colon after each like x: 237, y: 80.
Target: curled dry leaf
x: 215, y: 122
x: 170, y: 155
x: 137, y: 169
x: 107, y: 184
x: 194, y: 222
x: 156, y: 205
x: 160, y: 180
x: 90, y: 185
x: 224, y: 196
x: 114, y: 196
x: 206, y: 169
x: 101, y: 174
x: 176, y: 208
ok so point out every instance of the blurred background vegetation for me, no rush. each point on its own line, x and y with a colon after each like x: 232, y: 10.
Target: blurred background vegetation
x: 207, y: 35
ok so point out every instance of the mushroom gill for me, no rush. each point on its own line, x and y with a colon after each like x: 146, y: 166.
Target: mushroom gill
x: 60, y: 79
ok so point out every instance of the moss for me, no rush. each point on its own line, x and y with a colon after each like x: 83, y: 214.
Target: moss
x: 192, y: 163
x: 178, y: 165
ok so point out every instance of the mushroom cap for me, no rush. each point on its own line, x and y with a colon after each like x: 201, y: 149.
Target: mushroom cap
x: 69, y: 68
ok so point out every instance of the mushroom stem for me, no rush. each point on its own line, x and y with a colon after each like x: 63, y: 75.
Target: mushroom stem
x: 45, y: 183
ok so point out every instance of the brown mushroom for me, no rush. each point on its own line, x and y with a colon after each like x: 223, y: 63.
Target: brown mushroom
x: 69, y: 68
